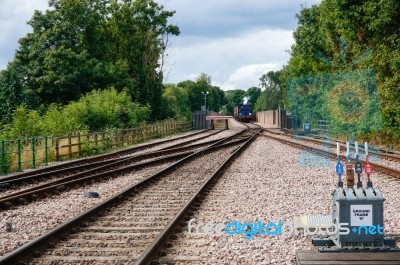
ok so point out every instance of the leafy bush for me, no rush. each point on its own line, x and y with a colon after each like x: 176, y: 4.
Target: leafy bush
x: 96, y: 111
x: 99, y: 110
x: 175, y: 102
x: 25, y: 123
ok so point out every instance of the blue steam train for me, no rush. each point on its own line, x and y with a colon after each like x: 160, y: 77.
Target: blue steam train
x: 243, y: 112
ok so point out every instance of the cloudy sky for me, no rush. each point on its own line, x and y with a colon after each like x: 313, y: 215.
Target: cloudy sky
x: 234, y: 41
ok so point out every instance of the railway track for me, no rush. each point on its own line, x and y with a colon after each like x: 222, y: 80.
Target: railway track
x: 272, y: 190
x: 96, y: 161
x: 107, y: 169
x: 252, y: 127
x: 132, y: 225
x: 332, y: 155
x: 387, y: 155
x: 159, y: 252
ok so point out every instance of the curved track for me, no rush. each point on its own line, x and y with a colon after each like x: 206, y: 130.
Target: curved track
x: 106, y: 169
x: 156, y: 251
x: 385, y: 154
x: 96, y: 161
x: 144, y: 212
x: 386, y: 170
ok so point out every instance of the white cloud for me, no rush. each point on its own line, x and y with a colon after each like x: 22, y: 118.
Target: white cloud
x: 232, y: 62
x: 227, y: 17
x: 230, y: 40
x: 248, y: 75
x: 13, y: 17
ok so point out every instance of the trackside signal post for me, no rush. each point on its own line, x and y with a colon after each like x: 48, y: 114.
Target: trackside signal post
x: 349, y: 167
x: 357, y: 213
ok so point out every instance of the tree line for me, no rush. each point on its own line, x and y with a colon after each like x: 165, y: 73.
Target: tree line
x: 100, y: 48
x: 342, y: 37
x: 185, y: 97
x: 77, y: 46
x: 91, y: 65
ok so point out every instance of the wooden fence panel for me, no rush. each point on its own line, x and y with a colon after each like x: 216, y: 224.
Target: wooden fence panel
x: 81, y: 145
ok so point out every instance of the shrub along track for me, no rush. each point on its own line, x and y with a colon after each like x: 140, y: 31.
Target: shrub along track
x: 121, y: 228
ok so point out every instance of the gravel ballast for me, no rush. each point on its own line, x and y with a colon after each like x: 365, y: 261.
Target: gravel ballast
x: 28, y: 185
x: 34, y: 219
x: 374, y: 158
x: 268, y: 183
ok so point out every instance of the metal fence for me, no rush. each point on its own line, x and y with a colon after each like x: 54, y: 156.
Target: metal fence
x: 20, y: 154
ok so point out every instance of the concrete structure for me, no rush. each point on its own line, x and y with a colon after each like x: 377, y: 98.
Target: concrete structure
x: 267, y: 117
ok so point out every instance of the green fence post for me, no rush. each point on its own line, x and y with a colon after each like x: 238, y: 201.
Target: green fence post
x: 33, y: 153
x: 3, y: 158
x: 46, y: 151
x: 19, y: 155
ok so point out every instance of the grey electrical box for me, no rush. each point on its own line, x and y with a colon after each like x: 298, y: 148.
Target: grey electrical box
x: 362, y: 211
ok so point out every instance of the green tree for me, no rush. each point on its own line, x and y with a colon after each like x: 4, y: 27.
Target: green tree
x: 194, y: 94
x: 142, y: 24
x: 25, y: 123
x: 253, y: 93
x: 195, y: 90
x: 234, y: 98
x: 343, y: 36
x: 309, y: 54
x: 373, y: 26
x: 96, y: 111
x: 215, y: 98
x: 272, y: 96
x: 11, y: 91
x: 80, y: 45
x: 53, y: 58
x: 176, y: 102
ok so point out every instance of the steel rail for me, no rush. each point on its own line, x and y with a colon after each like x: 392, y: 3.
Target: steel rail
x: 152, y: 252
x: 101, y: 164
x: 49, y: 170
x: 30, y: 194
x: 386, y: 170
x: 32, y: 248
x: 259, y: 128
x: 385, y: 154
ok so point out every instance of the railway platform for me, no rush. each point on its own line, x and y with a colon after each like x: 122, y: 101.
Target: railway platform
x: 218, y: 121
